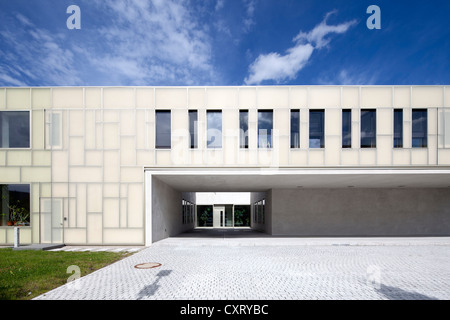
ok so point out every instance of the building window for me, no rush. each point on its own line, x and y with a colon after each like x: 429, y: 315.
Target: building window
x: 346, y: 128
x: 14, y: 205
x: 398, y: 128
x: 316, y: 128
x: 259, y: 211
x: 214, y: 128
x: 205, y: 216
x: 14, y: 129
x: 295, y: 128
x: 193, y: 128
x: 163, y: 130
x: 368, y: 128
x: 419, y: 128
x: 265, y: 128
x: 243, y: 129
x: 187, y: 211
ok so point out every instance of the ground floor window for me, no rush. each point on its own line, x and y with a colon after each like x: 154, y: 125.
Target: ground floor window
x: 188, y: 211
x: 14, y: 205
x: 205, y: 215
x: 228, y: 215
x: 259, y: 210
x: 242, y: 216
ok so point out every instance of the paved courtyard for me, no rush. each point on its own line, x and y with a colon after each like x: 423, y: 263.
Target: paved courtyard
x: 251, y: 266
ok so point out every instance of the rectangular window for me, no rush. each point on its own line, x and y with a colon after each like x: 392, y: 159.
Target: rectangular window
x: 346, y: 128
x: 163, y: 129
x: 398, y: 128
x: 265, y: 127
x: 295, y: 128
x: 14, y: 129
x: 419, y: 128
x: 193, y: 128
x: 214, y: 128
x: 243, y: 129
x: 316, y: 128
x: 14, y: 204
x: 368, y: 128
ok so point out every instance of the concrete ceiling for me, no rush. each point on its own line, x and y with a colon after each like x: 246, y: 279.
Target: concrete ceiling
x: 263, y: 180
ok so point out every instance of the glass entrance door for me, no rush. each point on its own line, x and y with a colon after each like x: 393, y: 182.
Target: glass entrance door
x: 218, y: 216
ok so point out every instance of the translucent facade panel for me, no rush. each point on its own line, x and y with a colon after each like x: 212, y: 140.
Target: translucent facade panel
x: 317, y: 128
x: 111, y: 213
x: 320, y: 97
x: 427, y: 96
x: 419, y: 128
x: 14, y: 129
x: 384, y: 125
x: 76, y: 149
x: 111, y: 166
x: 272, y: 98
x: 41, y: 98
x: 10, y: 174
x: 374, y: 97
x: 419, y: 156
x: 18, y: 98
x: 402, y: 97
x: 298, y: 97
x: 265, y: 128
x: 118, y: 98
x: 368, y: 157
x: 247, y: 98
x: 93, y: 98
x: 316, y: 158
x: 127, y: 122
x: 332, y: 150
x: 94, y: 228
x: 135, y: 208
x: 401, y: 157
x: 171, y: 98
x: 163, y: 129
x: 221, y: 98
x: 350, y: 97
x: 2, y: 98
x: 196, y: 98
x: 67, y: 98
x: 19, y: 158
x: 145, y: 98
x: 384, y: 150
x: 349, y: 157
x: 368, y: 128
x: 214, y: 128
x: 110, y: 136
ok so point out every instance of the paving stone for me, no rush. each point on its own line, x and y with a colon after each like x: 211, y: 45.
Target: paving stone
x: 281, y: 269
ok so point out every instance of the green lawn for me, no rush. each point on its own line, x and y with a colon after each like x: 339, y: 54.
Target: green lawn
x: 28, y: 273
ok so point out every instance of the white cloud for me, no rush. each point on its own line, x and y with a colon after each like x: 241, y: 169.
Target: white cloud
x: 277, y: 67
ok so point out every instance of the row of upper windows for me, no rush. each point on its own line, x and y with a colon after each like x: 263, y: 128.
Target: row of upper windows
x: 368, y: 126
x: 15, y: 128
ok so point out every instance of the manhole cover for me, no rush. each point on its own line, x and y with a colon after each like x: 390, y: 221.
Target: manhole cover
x: 147, y: 265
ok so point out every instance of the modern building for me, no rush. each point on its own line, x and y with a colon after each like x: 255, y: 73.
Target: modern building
x: 122, y: 165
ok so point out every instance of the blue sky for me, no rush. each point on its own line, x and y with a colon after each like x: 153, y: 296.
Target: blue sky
x: 224, y: 42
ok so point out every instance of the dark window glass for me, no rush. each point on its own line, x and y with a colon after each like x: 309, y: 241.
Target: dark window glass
x: 163, y: 129
x: 295, y: 128
x: 214, y: 128
x: 242, y: 216
x: 14, y: 204
x: 316, y: 128
x: 193, y: 128
x: 205, y: 215
x: 14, y: 129
x: 346, y: 128
x: 398, y: 128
x: 368, y: 128
x: 419, y: 128
x: 243, y: 126
x: 265, y: 127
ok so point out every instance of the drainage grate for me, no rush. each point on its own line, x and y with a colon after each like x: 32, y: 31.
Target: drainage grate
x: 148, y: 265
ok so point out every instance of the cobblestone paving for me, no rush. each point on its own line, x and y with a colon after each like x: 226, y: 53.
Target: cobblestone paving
x: 247, y: 269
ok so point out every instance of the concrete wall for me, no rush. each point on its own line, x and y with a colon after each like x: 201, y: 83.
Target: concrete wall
x: 361, y: 212
x: 166, y: 213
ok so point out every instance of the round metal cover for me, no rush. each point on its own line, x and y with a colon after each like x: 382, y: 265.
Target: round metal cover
x: 148, y: 265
